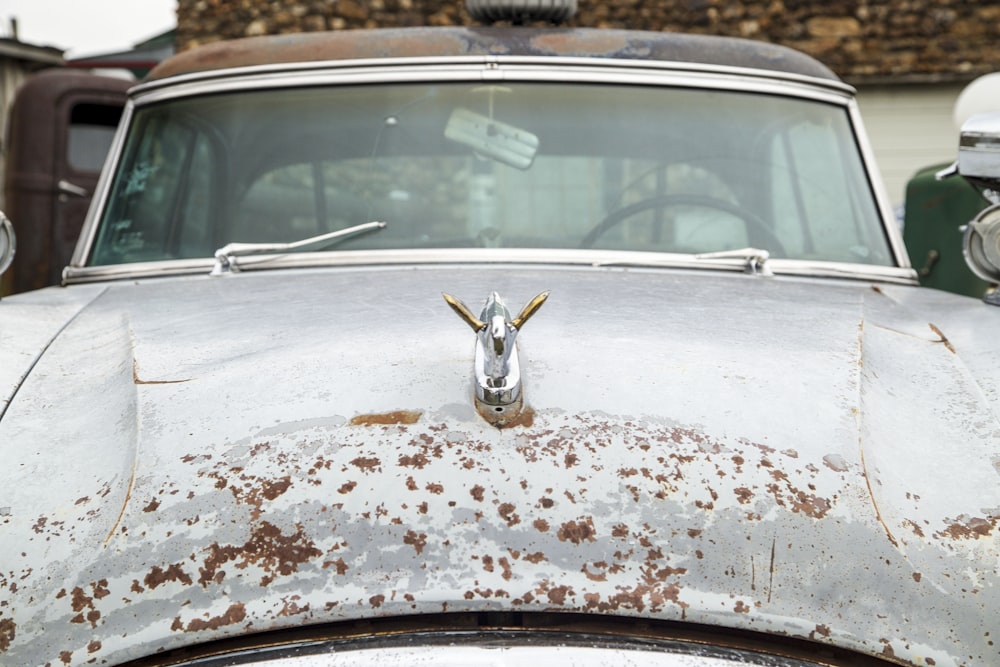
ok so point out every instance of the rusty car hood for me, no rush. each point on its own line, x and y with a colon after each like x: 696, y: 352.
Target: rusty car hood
x: 806, y: 458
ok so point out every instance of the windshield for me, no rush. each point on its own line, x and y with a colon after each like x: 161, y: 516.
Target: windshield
x: 519, y: 165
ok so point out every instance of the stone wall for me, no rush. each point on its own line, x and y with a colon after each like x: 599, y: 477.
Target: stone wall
x: 863, y: 41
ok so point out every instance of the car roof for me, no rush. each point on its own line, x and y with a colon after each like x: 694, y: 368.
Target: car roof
x: 423, y: 42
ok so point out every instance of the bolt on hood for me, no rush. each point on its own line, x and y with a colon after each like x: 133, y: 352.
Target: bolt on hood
x: 198, y: 458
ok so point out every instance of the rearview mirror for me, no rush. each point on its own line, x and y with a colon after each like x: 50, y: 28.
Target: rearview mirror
x: 491, y: 138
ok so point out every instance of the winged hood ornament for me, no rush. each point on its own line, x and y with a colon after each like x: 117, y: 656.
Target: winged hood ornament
x: 499, y: 396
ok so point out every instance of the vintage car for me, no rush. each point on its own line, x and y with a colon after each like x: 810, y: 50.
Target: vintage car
x: 279, y: 414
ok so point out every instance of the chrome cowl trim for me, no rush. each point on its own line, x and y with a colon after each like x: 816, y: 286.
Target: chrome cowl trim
x: 465, y: 256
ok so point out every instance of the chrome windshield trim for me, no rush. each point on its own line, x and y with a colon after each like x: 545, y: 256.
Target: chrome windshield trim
x: 561, y: 70
x: 893, y: 231
x: 429, y: 63
x: 470, y: 69
x: 528, y: 69
x: 603, y: 259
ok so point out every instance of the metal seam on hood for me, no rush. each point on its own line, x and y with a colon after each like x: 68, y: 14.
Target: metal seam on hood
x: 858, y: 418
x: 136, y: 437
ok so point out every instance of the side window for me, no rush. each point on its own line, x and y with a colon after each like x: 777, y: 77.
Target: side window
x: 91, y: 130
x: 817, y: 212
x: 160, y: 203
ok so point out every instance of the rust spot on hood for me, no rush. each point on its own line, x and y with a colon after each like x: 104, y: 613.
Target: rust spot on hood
x: 158, y: 576
x: 8, y: 629
x: 577, y: 532
x: 271, y: 489
x: 506, y: 511
x: 416, y: 540
x: 292, y: 608
x: 367, y: 463
x: 339, y: 564
x: 81, y: 600
x: 269, y: 548
x: 525, y: 418
x: 965, y: 528
x: 595, y: 576
x: 235, y: 614
x: 638, y: 598
x: 387, y: 418
x: 822, y: 630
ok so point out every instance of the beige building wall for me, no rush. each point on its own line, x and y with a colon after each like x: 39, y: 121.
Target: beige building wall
x: 910, y: 127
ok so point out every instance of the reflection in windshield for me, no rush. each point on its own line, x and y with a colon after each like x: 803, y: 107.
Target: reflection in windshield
x: 615, y: 167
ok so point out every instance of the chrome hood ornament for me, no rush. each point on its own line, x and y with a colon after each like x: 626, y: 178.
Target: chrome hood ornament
x: 499, y: 398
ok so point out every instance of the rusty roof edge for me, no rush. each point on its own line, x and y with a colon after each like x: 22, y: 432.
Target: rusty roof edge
x: 412, y: 43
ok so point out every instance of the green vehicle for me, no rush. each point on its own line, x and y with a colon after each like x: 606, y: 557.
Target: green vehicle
x: 939, y: 209
x: 936, y: 214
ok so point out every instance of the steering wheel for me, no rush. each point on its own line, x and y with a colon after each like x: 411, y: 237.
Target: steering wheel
x: 756, y: 228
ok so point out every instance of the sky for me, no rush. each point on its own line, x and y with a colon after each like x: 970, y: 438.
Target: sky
x: 87, y: 27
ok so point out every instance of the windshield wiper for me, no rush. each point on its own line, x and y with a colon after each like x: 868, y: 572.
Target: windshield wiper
x: 755, y: 259
x: 225, y: 256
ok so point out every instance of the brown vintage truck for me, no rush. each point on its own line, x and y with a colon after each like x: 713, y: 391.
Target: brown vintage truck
x: 61, y: 127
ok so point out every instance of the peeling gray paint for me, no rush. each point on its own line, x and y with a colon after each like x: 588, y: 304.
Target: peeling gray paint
x: 323, y: 497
